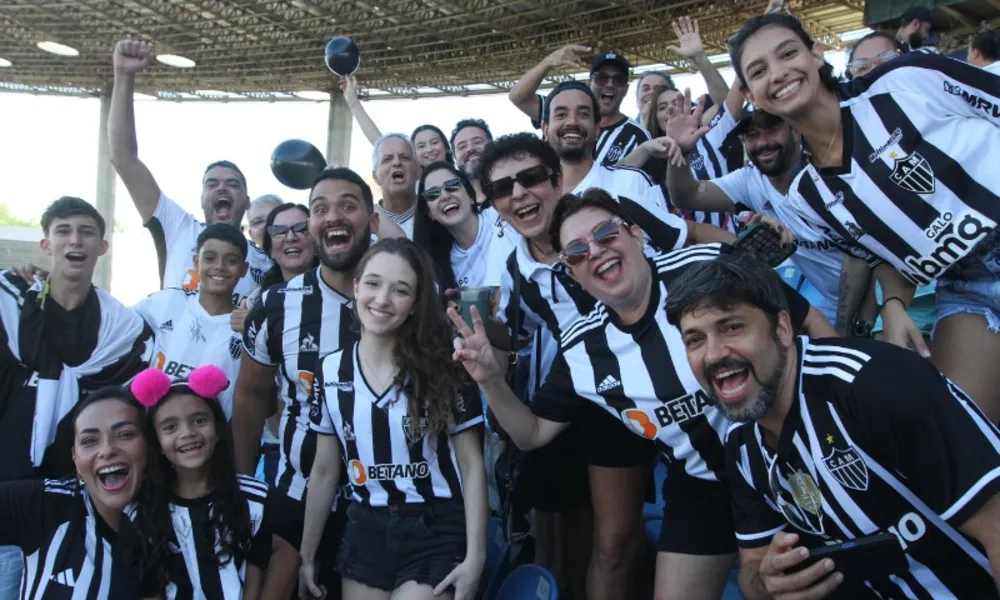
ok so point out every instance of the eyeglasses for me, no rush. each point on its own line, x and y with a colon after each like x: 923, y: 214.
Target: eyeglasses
x: 578, y: 251
x: 281, y: 231
x: 528, y: 178
x: 861, y: 66
x: 617, y: 79
x: 451, y: 186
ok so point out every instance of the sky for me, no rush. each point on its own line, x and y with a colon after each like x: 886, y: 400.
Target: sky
x: 50, y: 150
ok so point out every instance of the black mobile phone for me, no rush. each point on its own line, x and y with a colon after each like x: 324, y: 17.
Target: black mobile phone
x: 765, y: 243
x: 868, y: 557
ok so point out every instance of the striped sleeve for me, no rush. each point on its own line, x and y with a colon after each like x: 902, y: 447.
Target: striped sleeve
x: 469, y: 410
x: 666, y: 231
x: 954, y: 87
x: 257, y: 494
x: 923, y: 426
x: 255, y: 334
x: 525, y: 327
x: 324, y: 424
x: 755, y: 520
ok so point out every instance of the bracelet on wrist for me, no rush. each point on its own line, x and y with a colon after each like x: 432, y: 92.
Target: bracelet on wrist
x: 890, y: 299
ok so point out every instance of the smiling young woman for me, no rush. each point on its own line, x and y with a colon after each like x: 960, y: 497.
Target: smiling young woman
x: 406, y: 421
x: 67, y: 528
x: 902, y: 173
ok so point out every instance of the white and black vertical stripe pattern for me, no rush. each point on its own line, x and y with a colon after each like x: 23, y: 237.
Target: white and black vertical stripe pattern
x: 299, y: 321
x: 718, y: 153
x: 386, y: 463
x: 615, y: 142
x: 71, y: 556
x: 918, y: 186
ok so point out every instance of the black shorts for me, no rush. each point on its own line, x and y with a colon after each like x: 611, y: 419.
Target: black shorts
x: 554, y: 477
x: 609, y: 442
x: 697, y: 515
x: 287, y: 516
x: 386, y: 546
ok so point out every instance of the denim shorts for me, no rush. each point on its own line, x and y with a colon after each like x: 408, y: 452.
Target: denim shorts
x: 972, y: 286
x: 11, y: 567
x: 386, y: 546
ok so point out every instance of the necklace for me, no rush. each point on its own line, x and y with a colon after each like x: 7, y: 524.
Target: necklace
x: 383, y: 383
x: 543, y: 252
x: 836, y: 134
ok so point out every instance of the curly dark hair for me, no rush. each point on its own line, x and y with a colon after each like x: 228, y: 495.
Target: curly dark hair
x: 230, y: 524
x: 430, y: 379
x: 273, y: 275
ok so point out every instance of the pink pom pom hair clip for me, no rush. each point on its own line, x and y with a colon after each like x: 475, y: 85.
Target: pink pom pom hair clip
x: 152, y: 385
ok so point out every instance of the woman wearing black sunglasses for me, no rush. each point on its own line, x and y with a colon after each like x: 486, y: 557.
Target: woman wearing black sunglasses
x: 458, y: 236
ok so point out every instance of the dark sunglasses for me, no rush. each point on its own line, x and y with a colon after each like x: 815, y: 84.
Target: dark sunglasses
x: 451, y: 186
x: 578, y: 251
x: 282, y: 230
x: 617, y: 79
x: 528, y: 178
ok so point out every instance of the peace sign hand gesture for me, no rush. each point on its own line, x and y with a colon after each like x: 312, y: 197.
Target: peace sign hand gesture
x: 473, y: 349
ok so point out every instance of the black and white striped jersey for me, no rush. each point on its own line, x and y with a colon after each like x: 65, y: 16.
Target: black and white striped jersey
x: 919, y: 186
x: 193, y: 566
x: 640, y: 373
x: 549, y: 298
x: 616, y: 141
x: 718, y: 153
x: 876, y: 441
x: 67, y: 546
x: 293, y: 325
x: 389, y: 458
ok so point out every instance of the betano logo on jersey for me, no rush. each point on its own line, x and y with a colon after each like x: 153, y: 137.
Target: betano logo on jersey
x: 672, y: 412
x: 304, y: 380
x: 174, y: 369
x: 954, y: 238
x: 360, y: 474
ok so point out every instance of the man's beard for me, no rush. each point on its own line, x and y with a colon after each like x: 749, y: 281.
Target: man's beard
x: 747, y: 412
x: 780, y: 164
x: 915, y: 40
x: 471, y: 165
x: 344, y: 262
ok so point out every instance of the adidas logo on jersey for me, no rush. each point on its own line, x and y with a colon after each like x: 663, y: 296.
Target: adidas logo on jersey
x: 608, y: 384
x: 67, y: 578
x: 167, y: 325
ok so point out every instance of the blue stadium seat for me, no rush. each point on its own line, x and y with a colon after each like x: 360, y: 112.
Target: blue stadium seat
x: 529, y: 582
x: 732, y: 589
x: 497, y: 557
x: 654, y: 510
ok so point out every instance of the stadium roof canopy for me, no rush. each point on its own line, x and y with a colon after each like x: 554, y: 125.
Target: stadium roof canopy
x: 272, y: 50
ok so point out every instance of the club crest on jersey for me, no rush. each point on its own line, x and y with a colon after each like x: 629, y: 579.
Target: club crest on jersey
x: 912, y: 173
x: 698, y: 163
x: 615, y: 153
x: 235, y: 345
x: 413, y: 428
x: 848, y: 468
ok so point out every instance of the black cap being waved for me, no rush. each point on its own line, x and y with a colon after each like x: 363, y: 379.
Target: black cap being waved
x: 610, y: 57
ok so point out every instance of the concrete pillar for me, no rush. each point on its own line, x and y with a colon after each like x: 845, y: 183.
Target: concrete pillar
x: 106, y: 181
x: 338, y: 130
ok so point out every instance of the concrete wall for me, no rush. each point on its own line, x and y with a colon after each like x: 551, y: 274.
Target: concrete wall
x: 19, y: 246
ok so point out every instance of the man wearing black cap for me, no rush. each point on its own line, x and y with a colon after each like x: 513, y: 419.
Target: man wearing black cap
x: 775, y: 153
x: 609, y: 73
x: 917, y: 30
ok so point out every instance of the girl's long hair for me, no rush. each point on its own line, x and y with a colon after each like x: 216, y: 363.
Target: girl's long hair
x: 430, y: 379
x: 273, y: 275
x: 229, y: 526
x: 448, y: 157
x: 652, y: 124
x: 433, y: 237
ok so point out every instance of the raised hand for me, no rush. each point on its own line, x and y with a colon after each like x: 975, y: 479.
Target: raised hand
x: 349, y: 85
x: 567, y: 57
x: 131, y: 57
x: 688, y: 36
x: 685, y: 128
x: 473, y: 349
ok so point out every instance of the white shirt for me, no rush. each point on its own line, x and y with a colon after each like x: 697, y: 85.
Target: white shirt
x: 629, y: 182
x: 818, y: 259
x: 482, y: 263
x: 175, y: 234
x: 993, y: 67
x: 188, y: 337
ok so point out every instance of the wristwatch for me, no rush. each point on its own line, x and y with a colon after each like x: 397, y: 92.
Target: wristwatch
x: 862, y: 329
